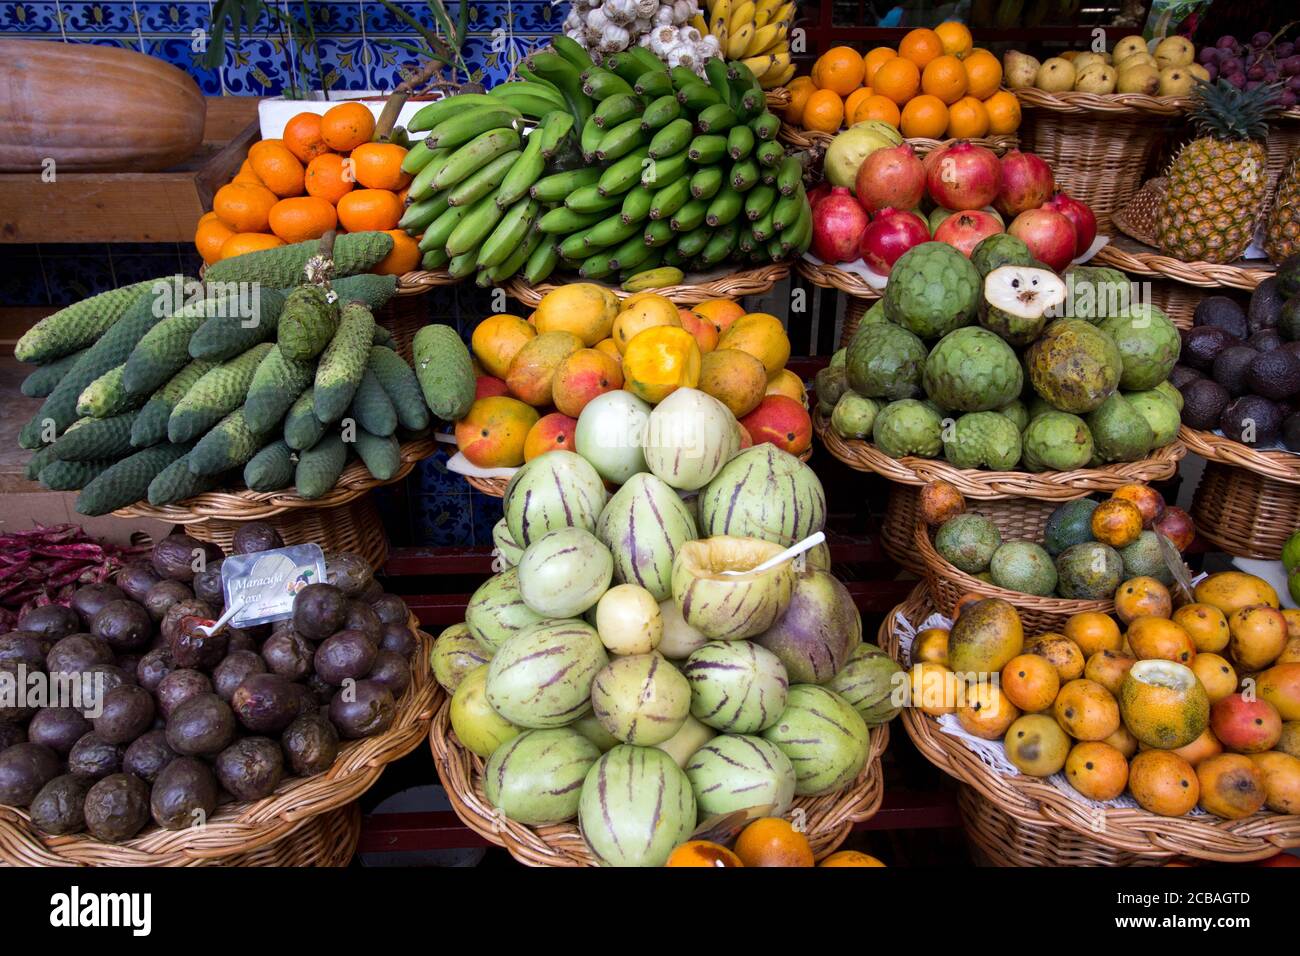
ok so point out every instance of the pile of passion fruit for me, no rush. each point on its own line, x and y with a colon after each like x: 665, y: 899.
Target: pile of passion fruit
x: 168, y: 722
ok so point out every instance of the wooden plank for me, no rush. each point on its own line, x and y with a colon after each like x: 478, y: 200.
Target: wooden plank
x: 228, y: 116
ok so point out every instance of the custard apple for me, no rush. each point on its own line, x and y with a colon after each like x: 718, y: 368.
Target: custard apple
x: 1018, y: 301
x: 1148, y: 346
x: 933, y: 290
x: 982, y: 440
x: 1096, y: 292
x: 972, y: 370
x: 1074, y: 365
x: 1057, y: 441
x: 1000, y: 249
x: 885, y: 361
x: 908, y: 427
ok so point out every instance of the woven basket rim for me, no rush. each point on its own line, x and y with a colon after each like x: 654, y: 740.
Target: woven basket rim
x: 1098, y: 106
x: 1131, y: 830
x: 817, y: 141
x: 755, y: 280
x: 247, y: 505
x: 328, y: 839
x: 938, y: 568
x: 985, y: 485
x: 243, y: 827
x: 828, y: 818
x: 833, y: 277
x: 1144, y: 260
x: 421, y: 281
x: 1278, y: 465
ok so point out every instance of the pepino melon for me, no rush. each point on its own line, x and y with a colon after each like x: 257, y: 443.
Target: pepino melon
x: 641, y: 699
x: 496, y: 611
x: 504, y: 546
x: 826, y: 740
x: 764, y: 493
x: 644, y: 525
x: 735, y: 772
x: 455, y: 653
x: 564, y: 573
x: 611, y: 428
x: 736, y: 686
x: 818, y: 631
x: 727, y: 606
x: 868, y: 682
x: 689, y: 437
x: 636, y: 806
x: 536, y: 778
x: 559, y: 489
x: 542, y: 677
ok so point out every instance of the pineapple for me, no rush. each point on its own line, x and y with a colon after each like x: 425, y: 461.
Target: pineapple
x: 1282, y: 235
x: 1217, y: 182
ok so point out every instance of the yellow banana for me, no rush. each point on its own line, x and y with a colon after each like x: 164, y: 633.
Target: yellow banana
x: 721, y: 33
x: 784, y: 12
x: 764, y: 37
x: 699, y: 23
x: 772, y: 80
x: 718, y: 16
x: 758, y: 65
x: 763, y: 11
x: 741, y: 15
x: 739, y: 41
x: 781, y: 46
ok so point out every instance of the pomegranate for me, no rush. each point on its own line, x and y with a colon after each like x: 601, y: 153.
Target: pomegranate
x: 891, y: 234
x: 838, y: 222
x: 890, y: 178
x: 1049, y: 236
x: 1079, y: 213
x: 964, y: 176
x: 1027, y: 183
x: 818, y: 193
x: 964, y: 230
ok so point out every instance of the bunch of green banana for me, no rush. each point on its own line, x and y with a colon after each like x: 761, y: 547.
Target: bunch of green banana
x: 610, y: 171
x: 757, y: 32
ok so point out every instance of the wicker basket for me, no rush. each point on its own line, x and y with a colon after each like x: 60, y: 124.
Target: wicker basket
x: 815, y: 142
x: 1280, y: 466
x: 897, y: 527
x: 403, y: 316
x: 1015, y: 518
x: 1136, y: 258
x: 1054, y: 486
x: 345, y: 519
x: 1244, y: 513
x: 1040, y: 825
x: 327, y: 840
x: 1097, y: 144
x: 693, y: 291
x: 827, y: 819
x: 243, y: 828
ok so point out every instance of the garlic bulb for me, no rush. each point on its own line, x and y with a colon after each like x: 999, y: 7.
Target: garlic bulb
x: 646, y: 8
x: 621, y: 12
x: 662, y: 26
x: 664, y: 17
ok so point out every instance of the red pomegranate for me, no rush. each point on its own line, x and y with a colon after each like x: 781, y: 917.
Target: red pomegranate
x: 1079, y: 213
x: 964, y: 176
x: 1027, y: 183
x: 964, y: 230
x: 1049, y: 236
x: 891, y: 234
x: 837, y: 227
x: 890, y: 178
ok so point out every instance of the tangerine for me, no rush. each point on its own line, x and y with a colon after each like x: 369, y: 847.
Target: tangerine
x: 873, y: 60
x: 801, y: 87
x: 967, y: 119
x: 702, y: 853
x: 366, y: 209
x: 877, y: 107
x: 301, y: 218
x: 302, y: 137
x: 823, y: 112
x: 277, y: 168
x: 983, y: 74
x: 242, y: 242
x: 404, y: 257
x: 209, y: 237
x: 347, y: 126
x: 924, y: 116
x: 945, y: 77
x: 897, y: 79
x: 330, y: 177
x: 1004, y: 112
x: 839, y: 69
x: 771, y: 841
x: 955, y: 37
x: 244, y: 207
x: 379, y: 166
x: 920, y: 46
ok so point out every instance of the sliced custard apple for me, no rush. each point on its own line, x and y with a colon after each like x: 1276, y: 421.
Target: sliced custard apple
x: 1019, y: 300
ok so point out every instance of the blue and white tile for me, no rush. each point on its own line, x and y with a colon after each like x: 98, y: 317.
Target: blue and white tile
x: 433, y: 477
x: 346, y: 61
x: 110, y: 17
x: 443, y: 521
x: 174, y: 16
x: 382, y: 21
x: 255, y: 67
x: 487, y: 512
x: 179, y: 52
x: 389, y: 59
x: 34, y: 18
x: 540, y: 17
x: 338, y: 17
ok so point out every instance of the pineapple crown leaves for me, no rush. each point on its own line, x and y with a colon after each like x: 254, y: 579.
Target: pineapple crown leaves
x: 1223, y: 112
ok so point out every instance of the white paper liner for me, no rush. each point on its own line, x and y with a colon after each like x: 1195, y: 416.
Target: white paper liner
x: 992, y: 753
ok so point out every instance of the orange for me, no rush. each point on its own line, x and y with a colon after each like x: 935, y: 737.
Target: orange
x: 278, y: 168
x: 983, y: 74
x: 347, y: 126
x: 242, y: 242
x: 365, y: 209
x: 771, y: 841
x: 210, y: 236
x: 824, y: 112
x: 1004, y: 112
x: 876, y: 107
x: 955, y: 37
x: 967, y: 119
x: 246, y: 174
x: 329, y: 177
x: 925, y: 115
x: 302, y: 137
x: 839, y: 69
x: 872, y: 61
x: 920, y: 46
x: 801, y: 87
x: 405, y: 256
x: 850, y: 858
x: 660, y: 360
x: 898, y: 79
x: 944, y: 77
x: 302, y: 218
x: 1094, y: 632
x: 379, y: 166
x: 854, y: 100
x: 244, y: 207
x: 702, y: 853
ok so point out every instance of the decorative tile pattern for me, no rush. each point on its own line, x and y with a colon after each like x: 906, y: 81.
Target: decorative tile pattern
x: 38, y: 19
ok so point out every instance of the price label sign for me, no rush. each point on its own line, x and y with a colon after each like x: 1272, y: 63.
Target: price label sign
x: 263, y: 585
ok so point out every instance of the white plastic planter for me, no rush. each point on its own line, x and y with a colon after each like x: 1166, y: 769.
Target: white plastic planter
x: 275, y: 112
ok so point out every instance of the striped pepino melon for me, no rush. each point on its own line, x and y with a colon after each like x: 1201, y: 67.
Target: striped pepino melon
x: 636, y: 806
x: 644, y: 525
x: 455, y: 653
x: 477, y: 725
x: 868, y: 682
x: 496, y: 611
x: 690, y: 737
x: 536, y: 778
x: 826, y: 740
x: 504, y: 546
x: 729, y: 607
x: 556, y: 490
x: 736, y: 686
x: 818, y: 631
x: 689, y: 437
x: 641, y: 699
x: 542, y: 677
x: 764, y: 493
x: 611, y: 428
x: 736, y: 772
x: 564, y: 572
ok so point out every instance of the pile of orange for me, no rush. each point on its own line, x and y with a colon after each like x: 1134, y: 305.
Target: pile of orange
x: 324, y: 173
x: 937, y: 84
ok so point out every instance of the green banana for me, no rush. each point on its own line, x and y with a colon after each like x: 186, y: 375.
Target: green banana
x: 601, y: 84
x: 435, y: 237
x: 698, y: 96
x: 509, y: 233
x: 621, y: 140
x: 625, y: 65
x: 420, y: 215
x: 595, y: 266
x: 636, y: 204
x: 434, y: 259
x: 541, y: 262
x: 572, y: 51
x: 670, y: 198
x: 798, y: 236
x: 660, y: 113
x: 765, y: 125
x: 673, y: 138
x: 706, y: 182
x: 763, y: 228
x: 682, y: 76
x: 672, y: 258
x: 524, y: 171
x: 555, y: 187
x: 720, y: 245
x: 744, y: 175
x: 661, y: 172
x: 718, y: 118
x: 658, y: 232
x: 769, y: 154
x: 589, y: 199
x: 555, y: 69
x: 740, y: 142
x: 478, y: 185
x: 561, y: 221
x: 615, y: 110
x: 715, y: 71
x: 690, y: 244
x: 690, y: 216
x: 458, y: 130
x: 575, y: 246
x: 504, y: 91
x: 706, y: 150
x: 654, y: 83
x: 417, y: 157
x: 622, y: 175
x: 474, y: 228
x: 610, y: 232
x: 758, y: 201
x: 554, y: 130
x: 430, y: 116
x: 530, y: 105
x: 590, y: 138
x: 463, y: 266
x: 724, y: 208
x: 789, y: 175
x: 474, y: 154
x: 787, y: 208
x: 422, y: 185
x: 630, y: 254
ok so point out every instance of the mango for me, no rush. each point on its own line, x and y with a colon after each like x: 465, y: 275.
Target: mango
x: 553, y: 432
x: 581, y: 377
x: 1233, y: 590
x: 761, y: 335
x: 493, y: 432
x: 985, y: 637
x: 497, y: 340
x: 735, y: 378
x: 583, y: 309
x: 705, y: 332
x: 783, y: 422
x: 531, y: 376
x: 658, y: 361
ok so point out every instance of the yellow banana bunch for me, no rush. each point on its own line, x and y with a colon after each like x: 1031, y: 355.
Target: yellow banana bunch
x: 757, y: 32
